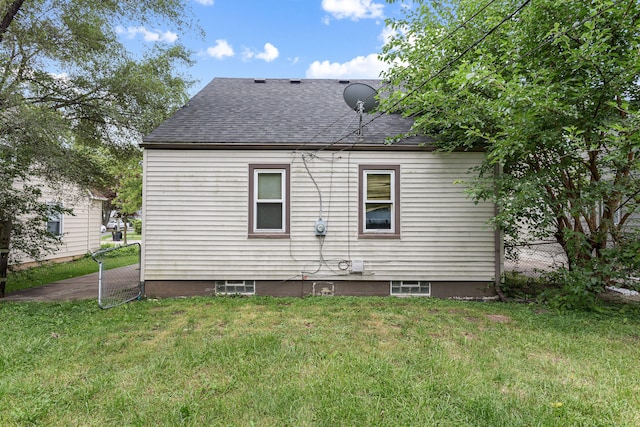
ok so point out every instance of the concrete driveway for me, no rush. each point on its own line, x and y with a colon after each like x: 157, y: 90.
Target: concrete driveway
x: 77, y: 288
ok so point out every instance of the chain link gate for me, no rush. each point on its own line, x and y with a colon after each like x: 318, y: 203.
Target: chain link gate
x: 118, y: 285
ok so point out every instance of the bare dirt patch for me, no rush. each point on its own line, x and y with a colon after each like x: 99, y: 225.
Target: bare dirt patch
x: 498, y: 318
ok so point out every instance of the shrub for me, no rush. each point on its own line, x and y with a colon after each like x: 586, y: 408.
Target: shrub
x: 137, y: 225
x: 522, y: 287
x: 576, y: 289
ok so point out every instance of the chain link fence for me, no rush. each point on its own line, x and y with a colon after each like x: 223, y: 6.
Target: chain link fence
x: 527, y: 266
x: 534, y: 259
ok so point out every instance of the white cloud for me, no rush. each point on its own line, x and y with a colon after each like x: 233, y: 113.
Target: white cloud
x: 353, y: 9
x: 362, y: 67
x: 386, y: 34
x: 148, y: 36
x: 205, y: 2
x: 221, y: 49
x: 269, y: 53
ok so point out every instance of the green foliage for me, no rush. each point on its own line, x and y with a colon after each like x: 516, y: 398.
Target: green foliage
x: 71, y: 94
x: 576, y: 289
x: 521, y: 287
x: 551, y: 95
x: 137, y: 225
x: 128, y: 173
x: 317, y: 362
x: 622, y: 262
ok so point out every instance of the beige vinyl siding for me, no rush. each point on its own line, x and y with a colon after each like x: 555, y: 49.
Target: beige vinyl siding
x: 196, y: 219
x: 80, y: 230
x: 633, y: 222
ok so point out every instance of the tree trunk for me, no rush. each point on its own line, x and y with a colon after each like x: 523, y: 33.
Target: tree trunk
x: 5, y: 233
x: 124, y: 223
x: 8, y: 15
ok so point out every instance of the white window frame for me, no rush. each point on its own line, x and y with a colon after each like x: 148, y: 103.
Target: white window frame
x: 407, y: 286
x: 366, y: 171
x: 56, y: 217
x: 282, y: 200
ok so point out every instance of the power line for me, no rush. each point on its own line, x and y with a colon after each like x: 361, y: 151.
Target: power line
x: 547, y: 41
x: 509, y: 63
x: 441, y: 70
x: 438, y: 43
x: 453, y: 61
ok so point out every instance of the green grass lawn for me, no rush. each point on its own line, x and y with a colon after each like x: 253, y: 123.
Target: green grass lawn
x: 131, y: 235
x: 52, y: 272
x: 317, y: 362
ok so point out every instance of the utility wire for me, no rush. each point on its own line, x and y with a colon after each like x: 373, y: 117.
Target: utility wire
x: 383, y: 86
x: 450, y: 63
x: 304, y: 161
x: 437, y: 74
x: 547, y: 41
x: 542, y: 44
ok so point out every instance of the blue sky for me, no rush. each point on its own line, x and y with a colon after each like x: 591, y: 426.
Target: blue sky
x: 279, y: 38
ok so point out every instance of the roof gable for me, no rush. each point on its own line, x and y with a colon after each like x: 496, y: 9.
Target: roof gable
x: 276, y: 113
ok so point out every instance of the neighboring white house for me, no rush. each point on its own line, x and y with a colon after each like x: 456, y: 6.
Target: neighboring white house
x: 265, y: 187
x: 79, y: 232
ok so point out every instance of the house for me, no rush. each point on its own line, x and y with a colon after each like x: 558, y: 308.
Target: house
x: 79, y: 231
x: 273, y: 187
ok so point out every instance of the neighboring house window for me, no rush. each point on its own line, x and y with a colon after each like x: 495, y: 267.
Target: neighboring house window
x: 269, y: 200
x: 379, y: 197
x: 235, y: 287
x: 410, y: 288
x: 54, y: 222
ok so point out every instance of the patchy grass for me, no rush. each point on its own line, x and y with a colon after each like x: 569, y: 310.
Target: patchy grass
x: 50, y: 272
x: 317, y: 361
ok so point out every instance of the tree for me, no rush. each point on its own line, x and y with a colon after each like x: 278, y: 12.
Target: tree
x: 128, y: 197
x: 115, y: 166
x: 69, y: 87
x: 550, y: 90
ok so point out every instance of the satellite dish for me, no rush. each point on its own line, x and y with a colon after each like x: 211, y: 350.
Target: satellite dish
x: 360, y: 94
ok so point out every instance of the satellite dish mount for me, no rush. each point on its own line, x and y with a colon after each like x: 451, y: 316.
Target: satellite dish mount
x: 362, y: 98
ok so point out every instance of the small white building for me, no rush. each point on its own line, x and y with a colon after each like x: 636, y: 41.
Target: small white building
x: 272, y: 187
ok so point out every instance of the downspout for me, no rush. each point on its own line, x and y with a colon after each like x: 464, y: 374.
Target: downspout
x: 88, y: 234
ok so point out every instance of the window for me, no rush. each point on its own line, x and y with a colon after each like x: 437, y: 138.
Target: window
x: 410, y: 288
x: 235, y: 287
x: 379, y: 196
x: 269, y: 200
x: 54, y: 222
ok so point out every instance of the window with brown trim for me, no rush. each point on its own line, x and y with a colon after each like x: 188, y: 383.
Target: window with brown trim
x: 269, y: 201
x: 379, y: 201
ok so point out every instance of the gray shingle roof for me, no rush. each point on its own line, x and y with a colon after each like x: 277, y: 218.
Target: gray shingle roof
x: 235, y: 113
